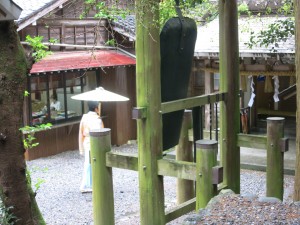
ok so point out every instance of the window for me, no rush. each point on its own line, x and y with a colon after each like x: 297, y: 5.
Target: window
x: 50, y: 96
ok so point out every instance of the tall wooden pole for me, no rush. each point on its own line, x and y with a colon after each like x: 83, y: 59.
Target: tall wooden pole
x: 206, y: 159
x: 297, y: 62
x: 275, y: 133
x: 184, y: 152
x: 103, y: 197
x: 229, y: 82
x: 149, y: 97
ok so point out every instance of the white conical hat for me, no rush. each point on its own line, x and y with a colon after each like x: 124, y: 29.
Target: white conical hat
x: 100, y: 95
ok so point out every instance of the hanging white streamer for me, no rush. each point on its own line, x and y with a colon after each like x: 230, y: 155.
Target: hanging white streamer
x: 251, y: 101
x: 276, y: 88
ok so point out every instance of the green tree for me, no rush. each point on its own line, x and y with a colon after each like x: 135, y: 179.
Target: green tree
x: 15, y: 189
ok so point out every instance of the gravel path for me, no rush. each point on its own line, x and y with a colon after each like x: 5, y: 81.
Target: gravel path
x: 62, y: 203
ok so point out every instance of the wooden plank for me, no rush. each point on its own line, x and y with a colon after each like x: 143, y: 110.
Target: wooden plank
x: 179, y: 169
x: 252, y: 141
x: 122, y: 161
x: 191, y: 102
x: 275, y: 112
x: 253, y: 73
x: 73, y: 22
x: 180, y: 210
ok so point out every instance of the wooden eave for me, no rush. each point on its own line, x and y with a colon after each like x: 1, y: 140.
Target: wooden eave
x: 253, y: 72
x: 72, y: 22
x: 9, y: 10
x: 40, y: 13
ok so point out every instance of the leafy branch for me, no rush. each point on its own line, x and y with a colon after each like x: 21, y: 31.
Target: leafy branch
x: 277, y: 32
x: 40, y: 50
x: 30, y: 141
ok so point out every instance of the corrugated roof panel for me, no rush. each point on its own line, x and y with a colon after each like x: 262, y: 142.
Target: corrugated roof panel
x: 62, y: 61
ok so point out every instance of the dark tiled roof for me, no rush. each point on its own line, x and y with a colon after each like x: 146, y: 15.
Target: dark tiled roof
x: 125, y: 26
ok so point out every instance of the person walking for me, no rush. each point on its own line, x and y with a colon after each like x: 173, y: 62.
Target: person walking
x: 89, y: 121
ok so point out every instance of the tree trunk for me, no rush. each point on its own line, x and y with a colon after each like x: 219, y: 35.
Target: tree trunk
x: 297, y: 62
x: 14, y: 188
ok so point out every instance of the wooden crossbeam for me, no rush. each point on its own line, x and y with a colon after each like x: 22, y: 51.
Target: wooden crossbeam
x: 180, y: 210
x: 191, y: 102
x: 179, y: 169
x: 166, y: 167
x: 122, y: 161
x: 252, y: 141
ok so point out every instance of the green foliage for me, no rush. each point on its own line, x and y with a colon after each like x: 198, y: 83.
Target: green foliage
x: 243, y: 9
x: 26, y: 93
x: 111, y: 42
x: 39, y: 49
x: 166, y: 10
x: 6, y: 216
x: 104, y: 11
x: 201, y: 11
x: 287, y: 8
x: 53, y: 40
x: 277, y: 32
x: 30, y: 141
x: 39, y: 181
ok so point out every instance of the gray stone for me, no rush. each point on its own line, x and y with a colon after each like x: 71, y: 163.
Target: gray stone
x: 269, y: 199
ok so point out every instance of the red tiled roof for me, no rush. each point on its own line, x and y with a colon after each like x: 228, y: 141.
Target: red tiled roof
x: 61, y: 61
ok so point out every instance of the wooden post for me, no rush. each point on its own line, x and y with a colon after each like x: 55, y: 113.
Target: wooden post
x: 149, y: 129
x: 184, y: 152
x: 229, y: 83
x: 275, y: 132
x: 206, y: 159
x: 103, y: 199
x: 296, y: 196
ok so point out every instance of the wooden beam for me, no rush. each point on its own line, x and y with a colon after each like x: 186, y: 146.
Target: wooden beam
x: 280, y: 73
x: 275, y: 112
x: 179, y: 169
x: 252, y: 141
x: 122, y: 161
x: 181, y: 209
x: 72, y: 22
x: 192, y: 102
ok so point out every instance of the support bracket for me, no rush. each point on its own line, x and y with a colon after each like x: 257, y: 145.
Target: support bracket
x: 217, y: 174
x: 139, y: 113
x: 284, y: 144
